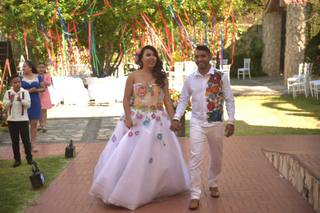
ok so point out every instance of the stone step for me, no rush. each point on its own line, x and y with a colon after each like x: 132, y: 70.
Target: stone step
x: 301, y: 170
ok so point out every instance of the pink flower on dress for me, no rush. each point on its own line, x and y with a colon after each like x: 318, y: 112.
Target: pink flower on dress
x: 137, y: 133
x: 153, y: 116
x: 139, y: 116
x: 158, y: 118
x: 141, y: 90
x: 130, y: 134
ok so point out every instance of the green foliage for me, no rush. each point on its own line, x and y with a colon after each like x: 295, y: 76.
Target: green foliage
x: 312, y: 53
x: 117, y: 29
x: 16, y: 192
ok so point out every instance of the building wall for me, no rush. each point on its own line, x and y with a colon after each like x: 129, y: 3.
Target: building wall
x: 295, y: 38
x: 271, y: 36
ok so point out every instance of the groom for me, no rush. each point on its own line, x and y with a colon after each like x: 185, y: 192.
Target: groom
x: 209, y: 90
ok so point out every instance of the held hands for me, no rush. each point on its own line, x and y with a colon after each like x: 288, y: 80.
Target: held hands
x: 175, y: 125
x: 33, y: 89
x: 229, y: 130
x: 11, y: 97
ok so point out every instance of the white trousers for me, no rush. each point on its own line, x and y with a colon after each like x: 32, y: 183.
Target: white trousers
x: 199, y: 135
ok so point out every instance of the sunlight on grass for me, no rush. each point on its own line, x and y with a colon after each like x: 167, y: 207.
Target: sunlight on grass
x: 16, y: 192
x: 274, y: 111
x: 275, y: 115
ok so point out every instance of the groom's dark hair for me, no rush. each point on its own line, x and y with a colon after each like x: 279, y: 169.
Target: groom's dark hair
x: 203, y: 48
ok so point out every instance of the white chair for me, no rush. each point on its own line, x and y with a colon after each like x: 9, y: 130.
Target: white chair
x: 300, y: 86
x: 245, y: 70
x: 213, y: 63
x: 225, y: 69
x: 295, y: 78
x: 315, y: 88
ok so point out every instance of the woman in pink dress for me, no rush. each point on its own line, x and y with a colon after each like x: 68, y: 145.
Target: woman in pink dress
x: 44, y: 96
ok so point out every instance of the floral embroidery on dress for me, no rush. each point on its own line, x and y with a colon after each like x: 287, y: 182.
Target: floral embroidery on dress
x: 147, y: 97
x: 215, y: 98
x: 139, y: 116
x: 153, y: 116
x: 146, y: 122
x: 114, y: 138
x: 130, y: 134
x: 151, y: 90
x: 159, y: 136
x: 141, y: 90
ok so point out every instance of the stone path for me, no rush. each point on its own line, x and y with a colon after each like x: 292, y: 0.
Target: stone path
x: 78, y: 129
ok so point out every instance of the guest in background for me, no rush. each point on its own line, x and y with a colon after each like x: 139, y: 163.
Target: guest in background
x: 44, y: 96
x: 16, y: 101
x: 33, y: 82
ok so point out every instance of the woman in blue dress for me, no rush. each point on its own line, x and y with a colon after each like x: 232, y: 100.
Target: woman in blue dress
x: 33, y: 82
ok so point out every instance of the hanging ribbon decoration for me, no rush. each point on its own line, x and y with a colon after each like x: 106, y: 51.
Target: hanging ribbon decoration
x: 64, y: 28
x: 6, y: 66
x: 233, y: 36
x: 60, y: 47
x: 212, y: 26
x: 140, y: 37
x: 153, y: 29
x: 53, y: 20
x: 177, y: 19
x: 75, y: 32
x: 46, y: 39
x: 54, y: 58
x: 204, y: 20
x: 168, y: 34
x: 94, y: 57
x: 107, y: 3
x: 25, y: 43
x: 221, y: 49
x: 149, y: 30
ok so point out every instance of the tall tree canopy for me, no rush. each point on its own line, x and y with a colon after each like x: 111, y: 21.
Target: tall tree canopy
x: 113, y: 29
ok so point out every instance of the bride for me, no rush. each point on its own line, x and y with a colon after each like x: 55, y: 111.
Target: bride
x: 143, y: 160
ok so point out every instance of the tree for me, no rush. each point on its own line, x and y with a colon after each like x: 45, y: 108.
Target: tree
x: 118, y: 27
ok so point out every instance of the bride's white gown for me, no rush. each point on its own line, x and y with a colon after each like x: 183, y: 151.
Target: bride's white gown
x: 145, y: 162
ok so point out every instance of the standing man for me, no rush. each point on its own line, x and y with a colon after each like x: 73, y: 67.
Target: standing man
x: 208, y: 89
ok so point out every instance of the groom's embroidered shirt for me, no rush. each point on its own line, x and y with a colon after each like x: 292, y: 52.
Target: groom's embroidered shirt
x: 208, y: 94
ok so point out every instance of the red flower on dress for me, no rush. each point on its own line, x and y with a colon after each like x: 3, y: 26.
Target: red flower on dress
x: 214, y: 89
x: 216, y: 78
x: 210, y: 106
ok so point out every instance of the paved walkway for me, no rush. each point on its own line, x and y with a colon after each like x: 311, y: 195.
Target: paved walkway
x: 249, y: 183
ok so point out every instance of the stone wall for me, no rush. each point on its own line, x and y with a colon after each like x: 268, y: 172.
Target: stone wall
x: 271, y: 36
x: 304, y: 181
x: 295, y: 38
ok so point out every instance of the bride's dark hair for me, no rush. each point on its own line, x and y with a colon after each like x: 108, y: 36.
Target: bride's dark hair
x: 157, y: 71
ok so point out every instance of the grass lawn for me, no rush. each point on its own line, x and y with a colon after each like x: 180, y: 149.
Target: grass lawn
x: 16, y: 191
x: 3, y: 129
x: 275, y: 115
